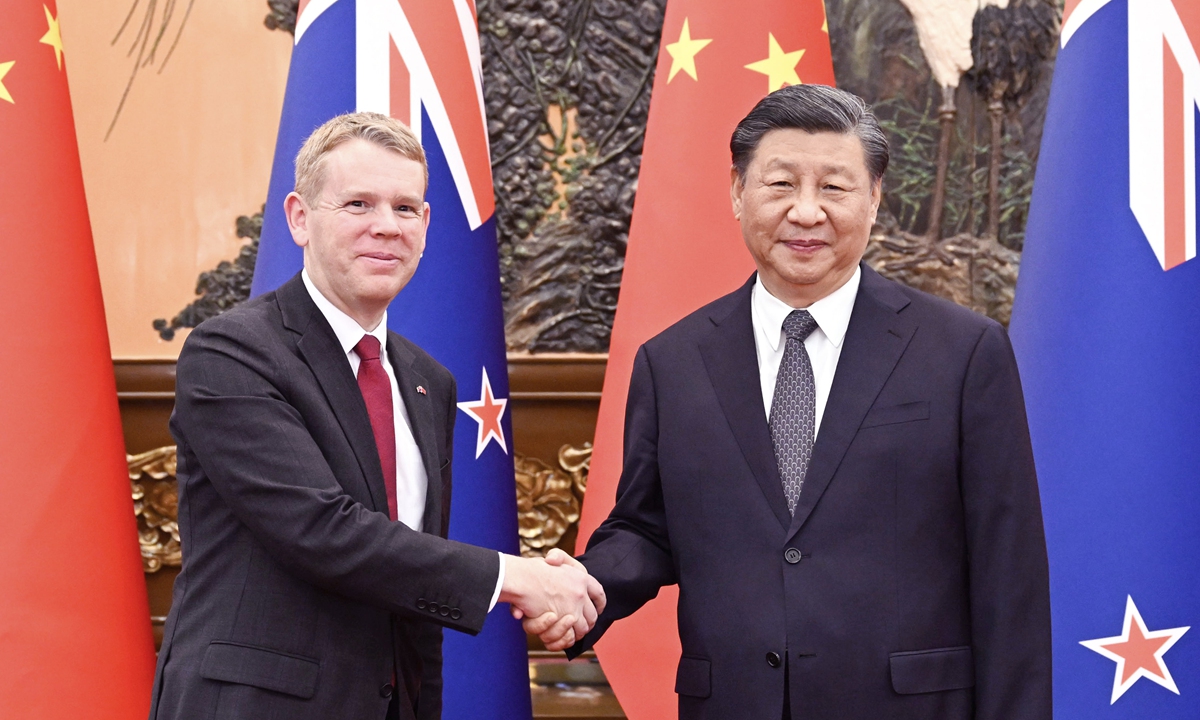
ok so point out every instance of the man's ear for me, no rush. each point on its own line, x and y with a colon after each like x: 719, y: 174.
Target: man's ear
x: 736, y: 186
x: 876, y: 197
x: 296, y: 211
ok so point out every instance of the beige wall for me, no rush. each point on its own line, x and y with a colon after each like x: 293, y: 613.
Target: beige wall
x: 191, y: 151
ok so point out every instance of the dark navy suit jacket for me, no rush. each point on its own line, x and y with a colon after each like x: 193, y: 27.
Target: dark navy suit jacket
x: 298, y: 597
x: 912, y: 581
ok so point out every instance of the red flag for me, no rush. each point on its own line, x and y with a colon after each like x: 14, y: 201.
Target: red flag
x: 685, y: 249
x: 74, y: 621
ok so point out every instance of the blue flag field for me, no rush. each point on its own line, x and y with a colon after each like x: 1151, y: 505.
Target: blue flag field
x: 1106, y: 327
x: 418, y: 61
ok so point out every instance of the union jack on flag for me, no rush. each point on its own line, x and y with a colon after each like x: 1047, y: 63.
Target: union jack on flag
x: 398, y: 75
x: 419, y: 61
x: 1164, y: 88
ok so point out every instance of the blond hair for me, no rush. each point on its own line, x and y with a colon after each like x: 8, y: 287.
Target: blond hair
x: 375, y: 128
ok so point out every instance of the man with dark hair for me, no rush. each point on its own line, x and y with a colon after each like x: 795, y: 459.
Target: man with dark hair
x: 834, y: 468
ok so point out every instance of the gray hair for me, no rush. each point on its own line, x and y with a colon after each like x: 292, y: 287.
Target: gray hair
x: 812, y: 108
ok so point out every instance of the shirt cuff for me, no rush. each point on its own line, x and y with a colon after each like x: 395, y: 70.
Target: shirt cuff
x: 499, y: 583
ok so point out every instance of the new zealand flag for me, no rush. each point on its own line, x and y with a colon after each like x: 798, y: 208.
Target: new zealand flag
x: 1106, y: 327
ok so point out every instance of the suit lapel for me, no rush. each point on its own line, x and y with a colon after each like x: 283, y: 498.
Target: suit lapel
x: 420, y: 417
x: 319, y: 347
x: 732, y: 363
x: 875, y: 339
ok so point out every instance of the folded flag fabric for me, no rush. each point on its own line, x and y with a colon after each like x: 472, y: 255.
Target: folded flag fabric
x: 1107, y: 334
x: 75, y: 636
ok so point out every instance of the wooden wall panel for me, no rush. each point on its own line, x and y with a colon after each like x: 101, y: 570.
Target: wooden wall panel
x: 554, y: 399
x: 146, y: 392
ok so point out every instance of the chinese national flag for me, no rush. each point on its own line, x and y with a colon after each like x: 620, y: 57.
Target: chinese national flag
x: 75, y: 636
x: 685, y: 249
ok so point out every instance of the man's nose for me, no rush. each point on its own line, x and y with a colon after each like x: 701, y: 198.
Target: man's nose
x: 805, y: 209
x: 384, y: 222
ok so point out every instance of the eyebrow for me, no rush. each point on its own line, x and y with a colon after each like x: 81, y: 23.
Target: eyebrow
x: 359, y: 192
x: 780, y: 163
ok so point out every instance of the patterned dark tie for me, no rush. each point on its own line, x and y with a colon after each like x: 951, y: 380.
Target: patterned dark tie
x: 377, y: 393
x: 794, y: 407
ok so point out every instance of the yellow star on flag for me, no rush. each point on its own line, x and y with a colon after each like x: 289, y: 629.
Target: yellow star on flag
x: 683, y: 53
x: 53, y: 36
x: 779, y: 67
x: 4, y: 68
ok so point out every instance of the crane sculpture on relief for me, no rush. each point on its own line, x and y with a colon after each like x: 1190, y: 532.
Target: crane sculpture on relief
x: 944, y: 29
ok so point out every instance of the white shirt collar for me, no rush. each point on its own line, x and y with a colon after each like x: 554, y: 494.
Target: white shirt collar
x: 831, y: 312
x: 347, y: 329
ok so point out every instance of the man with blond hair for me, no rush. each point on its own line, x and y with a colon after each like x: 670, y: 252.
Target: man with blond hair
x: 314, y: 474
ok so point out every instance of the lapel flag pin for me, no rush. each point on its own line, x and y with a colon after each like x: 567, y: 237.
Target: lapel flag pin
x: 421, y: 389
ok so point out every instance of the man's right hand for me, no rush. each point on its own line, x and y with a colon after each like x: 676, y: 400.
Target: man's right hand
x: 558, y: 599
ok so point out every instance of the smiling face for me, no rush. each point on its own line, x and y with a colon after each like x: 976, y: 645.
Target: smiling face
x: 364, y: 231
x: 806, y: 207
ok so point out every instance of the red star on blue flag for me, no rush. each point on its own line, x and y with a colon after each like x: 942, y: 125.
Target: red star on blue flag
x: 487, y: 411
x: 1138, y: 652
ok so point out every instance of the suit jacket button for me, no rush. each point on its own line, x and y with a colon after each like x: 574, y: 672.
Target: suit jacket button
x: 455, y: 614
x: 386, y: 691
x: 421, y: 604
x: 444, y: 611
x: 774, y: 660
x: 433, y: 607
x: 792, y: 555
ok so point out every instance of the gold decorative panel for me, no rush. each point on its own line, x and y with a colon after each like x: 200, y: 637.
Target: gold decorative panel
x: 549, y: 499
x: 156, y: 505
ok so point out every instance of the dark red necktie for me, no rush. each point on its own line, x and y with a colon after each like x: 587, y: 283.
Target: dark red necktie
x: 377, y: 393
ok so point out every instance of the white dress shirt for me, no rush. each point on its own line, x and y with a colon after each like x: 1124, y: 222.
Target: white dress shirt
x: 412, y: 482
x: 824, y: 345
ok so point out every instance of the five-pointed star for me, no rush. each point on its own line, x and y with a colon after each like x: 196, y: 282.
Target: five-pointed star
x: 4, y: 94
x: 53, y: 36
x: 779, y: 67
x: 1137, y: 652
x: 487, y: 411
x: 683, y: 53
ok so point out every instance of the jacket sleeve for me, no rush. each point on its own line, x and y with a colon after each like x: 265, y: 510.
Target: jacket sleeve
x: 1009, y: 575
x: 630, y: 553
x: 259, y: 455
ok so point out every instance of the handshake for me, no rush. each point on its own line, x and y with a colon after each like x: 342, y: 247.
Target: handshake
x: 554, y: 597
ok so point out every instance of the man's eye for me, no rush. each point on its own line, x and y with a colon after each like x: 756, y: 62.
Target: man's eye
x: 407, y: 211
x: 356, y: 204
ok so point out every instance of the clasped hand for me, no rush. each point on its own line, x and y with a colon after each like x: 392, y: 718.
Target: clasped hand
x: 554, y: 597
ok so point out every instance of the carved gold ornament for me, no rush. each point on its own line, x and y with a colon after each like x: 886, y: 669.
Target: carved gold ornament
x: 156, y: 505
x: 549, y: 499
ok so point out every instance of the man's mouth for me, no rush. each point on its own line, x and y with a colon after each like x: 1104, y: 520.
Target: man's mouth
x: 380, y: 257
x: 805, y: 244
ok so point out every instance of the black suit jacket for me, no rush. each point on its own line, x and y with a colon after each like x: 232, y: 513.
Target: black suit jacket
x: 912, y: 580
x: 298, y: 597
